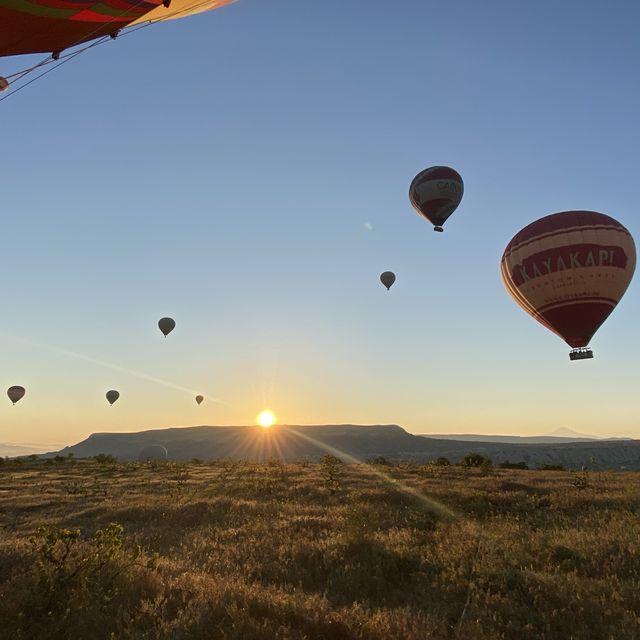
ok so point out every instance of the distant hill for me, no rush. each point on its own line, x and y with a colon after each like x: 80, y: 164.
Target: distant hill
x: 13, y: 450
x: 472, y: 437
x: 352, y: 443
x: 556, y: 437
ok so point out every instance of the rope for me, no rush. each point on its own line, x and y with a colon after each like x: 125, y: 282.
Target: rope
x: 67, y: 58
x: 50, y: 59
x: 63, y: 59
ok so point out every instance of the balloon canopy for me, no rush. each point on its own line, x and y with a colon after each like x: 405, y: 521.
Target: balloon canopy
x: 199, y: 399
x: 153, y: 452
x: 435, y: 193
x: 16, y: 393
x: 388, y: 278
x: 46, y: 26
x: 569, y: 270
x: 112, y: 396
x: 166, y: 325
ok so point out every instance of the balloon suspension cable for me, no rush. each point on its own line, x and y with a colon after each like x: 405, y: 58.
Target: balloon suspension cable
x: 60, y: 59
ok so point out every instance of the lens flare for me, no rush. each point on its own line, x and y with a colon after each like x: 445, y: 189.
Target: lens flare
x: 265, y: 418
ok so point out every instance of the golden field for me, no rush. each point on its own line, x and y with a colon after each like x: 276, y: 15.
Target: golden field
x: 239, y: 550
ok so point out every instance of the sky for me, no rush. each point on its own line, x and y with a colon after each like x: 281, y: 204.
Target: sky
x: 245, y: 172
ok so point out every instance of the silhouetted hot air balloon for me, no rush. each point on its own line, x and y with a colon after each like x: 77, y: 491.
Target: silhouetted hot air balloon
x: 112, y: 396
x: 388, y: 278
x: 153, y: 452
x: 199, y: 399
x: 166, y: 325
x: 50, y: 26
x: 435, y: 193
x: 16, y: 393
x: 569, y: 271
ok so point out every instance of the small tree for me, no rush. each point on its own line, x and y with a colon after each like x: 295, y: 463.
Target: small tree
x: 475, y: 460
x: 330, y: 467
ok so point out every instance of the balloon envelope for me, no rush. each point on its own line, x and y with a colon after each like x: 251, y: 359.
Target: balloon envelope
x: 112, y: 396
x: 181, y: 9
x: 569, y: 270
x: 153, y: 452
x: 166, y: 325
x: 45, y: 26
x: 388, y: 278
x: 435, y: 193
x: 16, y: 393
x: 199, y: 399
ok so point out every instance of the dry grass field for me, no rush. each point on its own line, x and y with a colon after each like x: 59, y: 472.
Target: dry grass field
x: 325, y: 551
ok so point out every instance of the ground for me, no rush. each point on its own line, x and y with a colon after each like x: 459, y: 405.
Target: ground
x: 92, y: 550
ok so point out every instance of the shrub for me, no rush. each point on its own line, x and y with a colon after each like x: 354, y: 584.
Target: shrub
x: 551, y: 467
x: 381, y: 460
x: 330, y: 468
x: 105, y: 458
x: 443, y: 462
x: 475, y: 460
x: 513, y: 465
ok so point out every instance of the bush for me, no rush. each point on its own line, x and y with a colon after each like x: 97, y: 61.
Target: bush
x: 330, y: 468
x: 475, y: 460
x: 381, y: 460
x: 443, y: 462
x: 513, y: 465
x: 105, y: 458
x: 551, y: 467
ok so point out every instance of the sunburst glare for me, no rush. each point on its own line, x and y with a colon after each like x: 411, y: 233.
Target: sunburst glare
x: 266, y: 418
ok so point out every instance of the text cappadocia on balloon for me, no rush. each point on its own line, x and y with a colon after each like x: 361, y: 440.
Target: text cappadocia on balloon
x: 435, y: 193
x: 569, y: 270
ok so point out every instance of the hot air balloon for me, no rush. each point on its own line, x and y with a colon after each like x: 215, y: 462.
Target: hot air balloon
x: 166, y: 325
x: 16, y: 393
x: 199, y: 399
x: 112, y: 396
x: 50, y: 26
x: 153, y: 452
x: 388, y: 278
x: 569, y: 271
x: 435, y: 193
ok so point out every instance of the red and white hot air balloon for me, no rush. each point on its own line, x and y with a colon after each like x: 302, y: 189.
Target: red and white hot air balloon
x: 569, y: 270
x: 435, y: 193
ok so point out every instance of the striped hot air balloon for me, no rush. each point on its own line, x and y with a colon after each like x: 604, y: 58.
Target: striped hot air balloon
x: 435, y: 193
x: 569, y: 270
x: 50, y: 26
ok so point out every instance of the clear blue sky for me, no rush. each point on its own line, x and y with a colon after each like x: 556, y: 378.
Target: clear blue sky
x: 246, y: 172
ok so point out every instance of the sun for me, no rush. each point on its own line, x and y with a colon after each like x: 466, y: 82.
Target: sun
x: 266, y: 418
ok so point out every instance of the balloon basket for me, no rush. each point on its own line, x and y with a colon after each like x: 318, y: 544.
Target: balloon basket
x: 580, y: 354
x: 438, y: 229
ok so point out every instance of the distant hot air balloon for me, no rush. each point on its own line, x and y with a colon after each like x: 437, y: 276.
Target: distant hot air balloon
x: 388, y: 278
x: 50, y: 26
x: 435, y: 193
x: 199, y: 399
x: 153, y: 452
x: 569, y: 271
x: 166, y: 325
x: 16, y: 393
x: 112, y: 396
